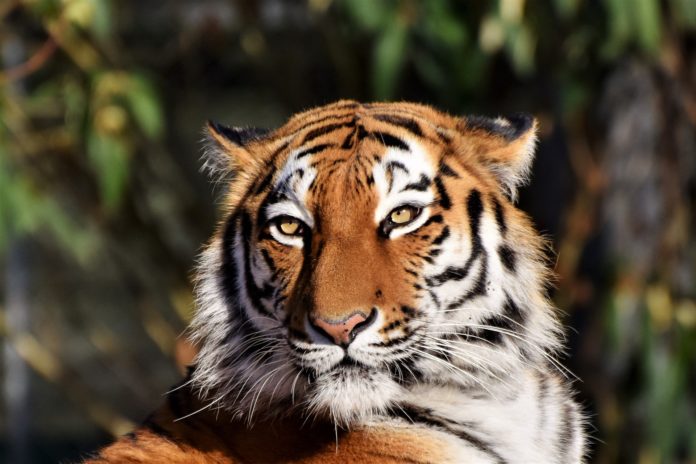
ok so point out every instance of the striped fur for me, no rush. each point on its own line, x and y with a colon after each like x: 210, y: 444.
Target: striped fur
x: 454, y: 360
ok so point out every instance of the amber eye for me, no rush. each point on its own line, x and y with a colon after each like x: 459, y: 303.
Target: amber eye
x: 289, y: 226
x: 403, y: 215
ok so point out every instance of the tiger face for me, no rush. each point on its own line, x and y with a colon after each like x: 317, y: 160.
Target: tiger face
x: 367, y: 250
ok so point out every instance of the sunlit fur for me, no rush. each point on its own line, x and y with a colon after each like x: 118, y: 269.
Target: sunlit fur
x: 459, y: 340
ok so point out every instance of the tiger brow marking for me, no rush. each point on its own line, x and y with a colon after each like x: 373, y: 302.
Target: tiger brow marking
x: 304, y: 125
x: 314, y: 149
x: 392, y: 165
x: 421, y: 185
x: 323, y: 130
x: 441, y: 137
x: 408, y: 124
x: 385, y: 138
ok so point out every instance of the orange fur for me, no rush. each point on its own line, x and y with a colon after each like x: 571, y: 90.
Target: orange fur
x: 352, y: 271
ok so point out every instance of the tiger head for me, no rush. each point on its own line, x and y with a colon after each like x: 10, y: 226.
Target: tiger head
x: 365, y: 252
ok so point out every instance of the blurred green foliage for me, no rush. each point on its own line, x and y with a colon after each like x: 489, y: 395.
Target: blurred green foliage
x: 90, y: 165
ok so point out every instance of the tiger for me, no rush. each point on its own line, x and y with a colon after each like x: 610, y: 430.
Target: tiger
x: 371, y: 295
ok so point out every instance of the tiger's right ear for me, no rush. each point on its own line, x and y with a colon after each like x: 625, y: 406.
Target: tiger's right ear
x: 227, y: 149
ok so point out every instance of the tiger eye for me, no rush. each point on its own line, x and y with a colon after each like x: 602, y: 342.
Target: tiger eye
x: 402, y: 215
x: 289, y: 226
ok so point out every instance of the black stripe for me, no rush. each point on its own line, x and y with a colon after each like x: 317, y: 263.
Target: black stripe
x: 447, y: 171
x: 512, y: 322
x: 391, y: 342
x: 323, y: 130
x: 229, y: 275
x: 409, y: 311
x: 426, y: 416
x: 228, y: 269
x: 499, y: 216
x: 437, y: 218
x: 474, y: 206
x: 492, y: 336
x: 384, y: 138
x: 406, y: 123
x: 277, y: 152
x: 254, y: 293
x: 444, y: 138
x: 393, y: 325
x: 444, y: 235
x: 329, y: 117
x: 513, y: 311
x: 452, y: 273
x: 507, y: 257
x: 313, y: 150
x: 348, y: 141
x: 265, y: 182
x: 479, y: 288
x: 445, y: 200
x: 390, y: 166
x: 270, y: 263
x: 390, y: 140
x: 420, y: 186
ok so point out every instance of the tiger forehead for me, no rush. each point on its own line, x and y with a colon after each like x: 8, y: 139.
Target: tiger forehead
x: 417, y: 118
x: 356, y: 162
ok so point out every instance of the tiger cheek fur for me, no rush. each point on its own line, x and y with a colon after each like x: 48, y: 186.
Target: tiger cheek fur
x: 372, y: 276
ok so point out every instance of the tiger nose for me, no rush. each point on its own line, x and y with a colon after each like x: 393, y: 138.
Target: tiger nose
x: 344, y: 331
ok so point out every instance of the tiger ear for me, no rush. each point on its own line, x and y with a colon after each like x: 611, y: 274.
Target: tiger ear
x: 227, y: 148
x: 505, y: 145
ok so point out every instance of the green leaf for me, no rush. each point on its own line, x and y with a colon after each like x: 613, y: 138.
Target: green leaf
x: 520, y: 46
x: 369, y: 14
x: 108, y: 156
x: 647, y: 24
x: 389, y: 57
x: 567, y: 8
x: 619, y: 32
x: 442, y: 26
x: 145, y: 106
x: 684, y: 13
x: 102, y: 23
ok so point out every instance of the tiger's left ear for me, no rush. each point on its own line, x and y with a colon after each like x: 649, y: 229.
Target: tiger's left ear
x: 505, y: 145
x: 229, y: 149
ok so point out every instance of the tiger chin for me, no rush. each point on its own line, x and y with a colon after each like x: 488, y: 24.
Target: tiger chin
x: 371, y: 294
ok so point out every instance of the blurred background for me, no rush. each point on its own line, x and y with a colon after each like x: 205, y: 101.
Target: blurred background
x: 103, y: 208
